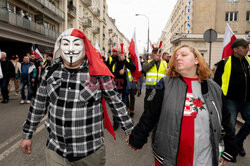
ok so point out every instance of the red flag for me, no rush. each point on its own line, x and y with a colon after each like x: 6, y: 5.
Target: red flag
x: 107, y: 122
x: 135, y: 57
x: 229, y: 38
x: 32, y: 50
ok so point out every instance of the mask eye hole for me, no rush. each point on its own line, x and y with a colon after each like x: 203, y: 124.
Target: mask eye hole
x: 65, y: 44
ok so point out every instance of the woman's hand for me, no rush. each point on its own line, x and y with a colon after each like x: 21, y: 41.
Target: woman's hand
x: 131, y: 147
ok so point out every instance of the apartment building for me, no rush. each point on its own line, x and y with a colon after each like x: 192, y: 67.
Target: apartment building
x: 191, y: 18
x: 27, y: 22
x: 91, y: 16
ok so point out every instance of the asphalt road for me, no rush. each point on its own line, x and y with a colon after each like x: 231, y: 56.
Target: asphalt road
x: 14, y: 114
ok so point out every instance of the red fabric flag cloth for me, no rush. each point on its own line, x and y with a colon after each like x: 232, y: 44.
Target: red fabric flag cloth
x: 135, y: 58
x: 96, y: 66
x: 229, y: 38
x: 32, y: 50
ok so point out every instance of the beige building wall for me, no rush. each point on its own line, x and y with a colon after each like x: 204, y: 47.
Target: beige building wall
x: 91, y: 17
x: 191, y: 18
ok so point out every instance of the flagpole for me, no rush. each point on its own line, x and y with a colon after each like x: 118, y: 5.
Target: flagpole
x: 148, y: 32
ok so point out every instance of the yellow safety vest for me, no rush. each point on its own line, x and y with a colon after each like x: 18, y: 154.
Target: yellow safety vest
x: 153, y: 76
x: 227, y: 74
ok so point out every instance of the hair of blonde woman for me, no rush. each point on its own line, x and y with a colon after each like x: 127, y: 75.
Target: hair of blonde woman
x: 203, y: 70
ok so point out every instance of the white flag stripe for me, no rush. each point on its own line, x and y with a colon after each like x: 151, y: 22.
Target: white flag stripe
x: 228, y: 35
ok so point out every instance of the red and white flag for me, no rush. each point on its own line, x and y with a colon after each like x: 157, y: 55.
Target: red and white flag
x: 32, y: 50
x: 38, y: 54
x: 229, y: 38
x: 135, y: 57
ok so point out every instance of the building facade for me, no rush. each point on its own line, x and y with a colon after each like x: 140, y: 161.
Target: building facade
x: 27, y: 22
x: 191, y: 18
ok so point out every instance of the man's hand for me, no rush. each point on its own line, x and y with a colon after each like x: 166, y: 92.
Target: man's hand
x: 32, y: 80
x: 222, y: 162
x: 131, y: 147
x: 26, y: 145
x: 122, y: 71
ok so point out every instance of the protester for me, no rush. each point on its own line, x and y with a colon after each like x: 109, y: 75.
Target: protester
x: 186, y: 110
x: 73, y: 91
x: 16, y: 82
x: 166, y: 57
x: 121, y: 69
x: 38, y: 76
x: 233, y: 75
x: 155, y: 69
x: 112, y: 59
x: 27, y: 73
x: 8, y: 72
x: 48, y: 62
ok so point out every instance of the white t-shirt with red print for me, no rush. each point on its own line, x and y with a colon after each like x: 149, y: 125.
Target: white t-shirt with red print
x: 195, y: 147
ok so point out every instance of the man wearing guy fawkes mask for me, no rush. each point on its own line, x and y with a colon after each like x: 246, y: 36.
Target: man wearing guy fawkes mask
x: 73, y: 94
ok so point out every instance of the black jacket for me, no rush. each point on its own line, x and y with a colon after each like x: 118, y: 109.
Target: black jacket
x: 123, y: 78
x: 239, y: 85
x: 8, y: 69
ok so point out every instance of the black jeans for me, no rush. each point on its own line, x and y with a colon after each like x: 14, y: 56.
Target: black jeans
x: 4, y: 82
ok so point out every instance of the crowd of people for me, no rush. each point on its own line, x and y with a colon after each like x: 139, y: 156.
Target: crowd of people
x: 21, y: 74
x: 188, y: 108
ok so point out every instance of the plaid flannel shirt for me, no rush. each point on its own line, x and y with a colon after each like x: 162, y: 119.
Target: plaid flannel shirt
x: 75, y: 117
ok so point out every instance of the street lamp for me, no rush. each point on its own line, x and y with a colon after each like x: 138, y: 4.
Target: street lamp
x: 148, y: 31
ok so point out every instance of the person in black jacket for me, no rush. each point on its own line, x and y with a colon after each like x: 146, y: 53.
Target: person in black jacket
x: 233, y: 75
x: 119, y: 69
x: 186, y: 112
x: 8, y: 71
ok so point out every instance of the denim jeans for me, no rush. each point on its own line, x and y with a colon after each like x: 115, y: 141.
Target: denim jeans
x: 4, y: 82
x: 234, y: 108
x: 23, y: 84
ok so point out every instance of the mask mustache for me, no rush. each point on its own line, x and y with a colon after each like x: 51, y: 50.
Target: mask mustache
x: 71, y: 53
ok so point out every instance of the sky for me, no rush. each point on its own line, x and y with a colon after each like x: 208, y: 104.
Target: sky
x: 158, y: 12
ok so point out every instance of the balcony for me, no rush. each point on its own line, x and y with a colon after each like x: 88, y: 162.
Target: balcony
x: 19, y: 21
x: 87, y: 2
x: 96, y: 11
x: 96, y: 30
x: 51, y: 7
x: 86, y: 22
x: 72, y: 10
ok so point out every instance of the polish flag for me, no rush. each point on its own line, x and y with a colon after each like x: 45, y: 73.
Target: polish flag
x: 32, y: 50
x: 38, y: 54
x: 135, y: 57
x: 229, y: 38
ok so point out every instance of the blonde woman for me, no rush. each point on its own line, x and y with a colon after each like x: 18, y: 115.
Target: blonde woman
x: 186, y: 113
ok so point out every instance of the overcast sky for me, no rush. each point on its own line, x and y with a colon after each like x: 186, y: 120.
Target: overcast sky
x: 158, y: 12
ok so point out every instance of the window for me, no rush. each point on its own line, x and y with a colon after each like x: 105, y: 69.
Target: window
x: 248, y: 16
x: 231, y: 16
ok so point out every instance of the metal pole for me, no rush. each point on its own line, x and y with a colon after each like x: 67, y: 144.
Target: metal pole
x: 148, y: 41
x: 210, y: 48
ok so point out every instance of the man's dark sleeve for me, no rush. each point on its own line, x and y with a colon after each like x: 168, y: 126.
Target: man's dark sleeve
x: 130, y: 65
x: 218, y: 73
x: 149, y: 118
x: 147, y: 66
x: 230, y: 141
